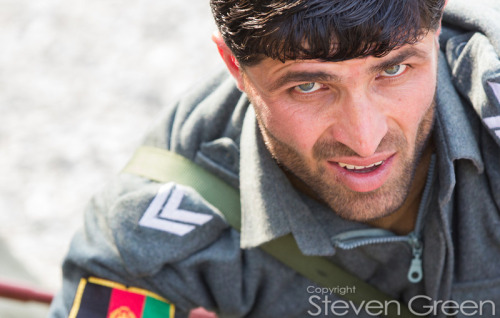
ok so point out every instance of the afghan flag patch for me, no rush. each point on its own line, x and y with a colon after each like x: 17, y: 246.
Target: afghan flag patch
x: 99, y: 298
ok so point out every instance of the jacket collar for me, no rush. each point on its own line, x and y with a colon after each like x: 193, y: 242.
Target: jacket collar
x: 455, y: 132
x: 270, y: 206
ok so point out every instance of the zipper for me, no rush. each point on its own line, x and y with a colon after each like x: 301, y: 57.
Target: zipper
x: 357, y: 238
x: 415, y: 273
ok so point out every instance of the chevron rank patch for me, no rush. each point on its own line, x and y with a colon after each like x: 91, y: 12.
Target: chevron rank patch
x: 99, y: 298
x: 165, y: 215
x: 493, y: 122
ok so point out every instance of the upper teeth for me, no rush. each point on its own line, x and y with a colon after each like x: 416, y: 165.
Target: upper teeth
x: 352, y: 167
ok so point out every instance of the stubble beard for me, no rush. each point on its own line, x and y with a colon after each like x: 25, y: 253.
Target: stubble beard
x: 349, y: 204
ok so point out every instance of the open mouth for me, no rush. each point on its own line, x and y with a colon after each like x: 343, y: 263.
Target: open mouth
x: 361, y: 169
x: 363, y: 178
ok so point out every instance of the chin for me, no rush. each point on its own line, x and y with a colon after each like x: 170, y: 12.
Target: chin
x: 366, y: 206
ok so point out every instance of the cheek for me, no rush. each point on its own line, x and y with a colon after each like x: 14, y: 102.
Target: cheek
x: 413, y: 101
x: 294, y: 126
x: 412, y: 109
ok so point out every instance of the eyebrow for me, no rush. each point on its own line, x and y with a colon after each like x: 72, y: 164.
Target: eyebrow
x: 310, y: 77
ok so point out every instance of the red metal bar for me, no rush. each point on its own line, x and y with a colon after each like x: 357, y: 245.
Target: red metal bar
x: 24, y: 293
x: 201, y: 313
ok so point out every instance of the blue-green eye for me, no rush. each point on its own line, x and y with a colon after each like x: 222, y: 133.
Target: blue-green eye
x: 394, y: 70
x: 308, y: 87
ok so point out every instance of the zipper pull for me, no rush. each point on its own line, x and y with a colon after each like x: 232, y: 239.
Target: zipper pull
x: 415, y: 274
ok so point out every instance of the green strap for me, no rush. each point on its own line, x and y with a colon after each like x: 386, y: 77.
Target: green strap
x: 163, y: 166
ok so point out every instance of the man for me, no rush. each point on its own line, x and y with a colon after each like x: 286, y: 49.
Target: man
x: 361, y: 127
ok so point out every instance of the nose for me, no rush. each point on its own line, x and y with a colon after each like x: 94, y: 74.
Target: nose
x: 362, y: 124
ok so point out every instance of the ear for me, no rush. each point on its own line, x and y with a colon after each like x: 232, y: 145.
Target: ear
x: 438, y: 32
x: 227, y: 56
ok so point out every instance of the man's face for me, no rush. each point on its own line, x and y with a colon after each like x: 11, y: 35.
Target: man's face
x: 352, y: 131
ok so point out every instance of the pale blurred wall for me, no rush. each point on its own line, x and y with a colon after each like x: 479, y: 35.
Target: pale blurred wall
x: 80, y: 82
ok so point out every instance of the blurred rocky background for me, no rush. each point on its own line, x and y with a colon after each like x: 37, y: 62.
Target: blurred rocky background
x: 80, y: 83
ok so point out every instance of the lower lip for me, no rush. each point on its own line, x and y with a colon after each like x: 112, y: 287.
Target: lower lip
x: 364, y: 181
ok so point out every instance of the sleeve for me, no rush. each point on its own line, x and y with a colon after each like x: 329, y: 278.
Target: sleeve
x: 143, y: 240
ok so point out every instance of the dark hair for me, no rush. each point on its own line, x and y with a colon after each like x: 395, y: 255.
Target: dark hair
x: 330, y: 30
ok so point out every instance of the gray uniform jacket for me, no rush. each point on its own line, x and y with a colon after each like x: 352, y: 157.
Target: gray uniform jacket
x: 194, y: 258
